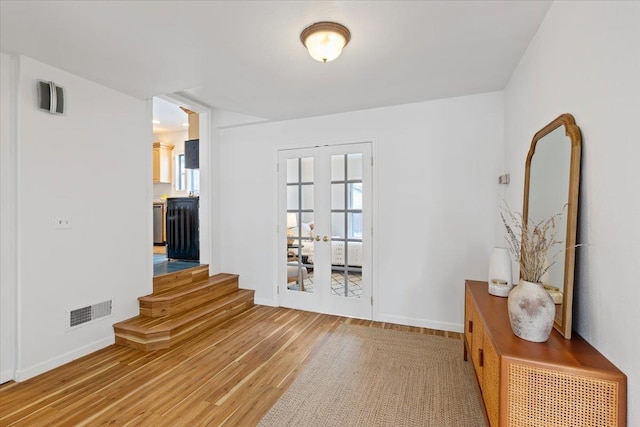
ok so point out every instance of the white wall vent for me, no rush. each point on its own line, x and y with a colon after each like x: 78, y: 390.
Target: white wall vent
x: 87, y: 314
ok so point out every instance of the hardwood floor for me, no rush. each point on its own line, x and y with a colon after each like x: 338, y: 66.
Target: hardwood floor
x: 229, y: 375
x: 159, y: 249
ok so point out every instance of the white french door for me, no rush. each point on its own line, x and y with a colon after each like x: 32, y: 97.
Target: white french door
x: 325, y: 229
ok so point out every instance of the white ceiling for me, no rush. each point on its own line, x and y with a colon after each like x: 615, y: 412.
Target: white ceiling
x: 168, y: 117
x: 246, y: 56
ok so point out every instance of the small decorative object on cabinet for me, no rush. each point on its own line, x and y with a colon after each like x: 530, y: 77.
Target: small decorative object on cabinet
x: 531, y: 308
x: 560, y: 382
x: 531, y: 311
x: 500, y: 272
x: 162, y: 162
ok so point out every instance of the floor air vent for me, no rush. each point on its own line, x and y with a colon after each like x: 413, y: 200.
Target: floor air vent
x: 87, y: 314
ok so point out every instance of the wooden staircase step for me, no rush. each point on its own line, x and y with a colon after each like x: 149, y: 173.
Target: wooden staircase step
x: 182, y: 298
x: 183, y: 277
x: 149, y: 334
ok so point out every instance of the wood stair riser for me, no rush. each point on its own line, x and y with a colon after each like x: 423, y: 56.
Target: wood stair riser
x: 188, y: 331
x: 162, y: 307
x: 144, y: 342
x: 180, y: 278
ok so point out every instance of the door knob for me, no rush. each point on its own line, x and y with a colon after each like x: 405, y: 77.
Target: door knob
x: 317, y: 238
x: 325, y: 239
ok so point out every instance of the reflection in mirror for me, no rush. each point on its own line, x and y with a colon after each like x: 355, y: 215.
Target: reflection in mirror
x: 548, y: 189
x: 551, y: 186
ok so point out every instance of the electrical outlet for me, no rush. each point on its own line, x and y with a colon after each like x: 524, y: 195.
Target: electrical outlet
x: 62, y: 222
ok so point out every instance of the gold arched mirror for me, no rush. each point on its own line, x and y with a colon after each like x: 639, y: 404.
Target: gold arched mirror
x: 551, y: 185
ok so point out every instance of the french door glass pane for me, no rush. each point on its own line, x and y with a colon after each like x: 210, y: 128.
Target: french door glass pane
x: 337, y: 196
x: 337, y: 168
x: 337, y: 225
x: 293, y: 200
x: 292, y: 171
x: 355, y: 195
x: 300, y: 202
x: 355, y: 225
x: 307, y: 169
x: 354, y: 166
x: 346, y: 283
x: 307, y: 196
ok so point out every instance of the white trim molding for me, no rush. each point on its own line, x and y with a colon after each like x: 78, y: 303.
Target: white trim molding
x: 9, y: 247
x: 210, y: 247
x: 32, y: 371
x: 421, y: 323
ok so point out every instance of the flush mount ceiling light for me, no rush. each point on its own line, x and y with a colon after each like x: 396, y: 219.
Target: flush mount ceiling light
x: 325, y: 40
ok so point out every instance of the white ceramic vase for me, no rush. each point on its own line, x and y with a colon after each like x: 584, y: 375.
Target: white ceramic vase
x: 531, y: 311
x: 500, y: 283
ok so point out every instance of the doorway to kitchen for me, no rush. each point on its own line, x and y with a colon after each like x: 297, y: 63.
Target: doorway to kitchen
x: 177, y: 164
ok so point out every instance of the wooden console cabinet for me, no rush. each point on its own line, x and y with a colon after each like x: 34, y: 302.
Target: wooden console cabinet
x: 556, y: 383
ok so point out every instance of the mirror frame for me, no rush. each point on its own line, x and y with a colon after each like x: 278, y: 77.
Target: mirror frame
x: 573, y: 132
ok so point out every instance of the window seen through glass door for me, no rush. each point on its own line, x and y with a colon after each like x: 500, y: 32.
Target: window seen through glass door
x: 346, y: 225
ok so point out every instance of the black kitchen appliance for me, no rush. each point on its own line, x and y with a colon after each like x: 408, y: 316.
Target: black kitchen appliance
x: 183, y: 228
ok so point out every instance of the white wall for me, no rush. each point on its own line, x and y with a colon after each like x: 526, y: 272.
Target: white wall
x: 585, y: 60
x: 89, y: 165
x: 435, y: 173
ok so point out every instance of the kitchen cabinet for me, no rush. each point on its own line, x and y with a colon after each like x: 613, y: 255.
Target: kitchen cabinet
x: 559, y: 382
x: 162, y: 154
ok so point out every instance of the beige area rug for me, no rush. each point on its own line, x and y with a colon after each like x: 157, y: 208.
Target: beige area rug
x: 365, y: 376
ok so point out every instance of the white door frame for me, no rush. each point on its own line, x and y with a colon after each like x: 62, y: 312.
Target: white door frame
x: 209, y: 182
x: 9, y: 220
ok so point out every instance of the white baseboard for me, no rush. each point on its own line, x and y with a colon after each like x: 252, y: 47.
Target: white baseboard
x: 422, y: 323
x: 399, y: 320
x: 6, y: 375
x: 40, y: 368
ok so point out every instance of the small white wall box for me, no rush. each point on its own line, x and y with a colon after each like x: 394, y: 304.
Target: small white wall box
x: 50, y: 97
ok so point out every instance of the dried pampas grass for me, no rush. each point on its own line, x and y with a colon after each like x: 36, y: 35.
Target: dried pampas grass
x: 531, y: 243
